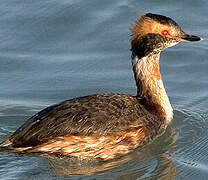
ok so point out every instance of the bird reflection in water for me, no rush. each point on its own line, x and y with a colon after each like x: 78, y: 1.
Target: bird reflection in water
x: 151, y: 161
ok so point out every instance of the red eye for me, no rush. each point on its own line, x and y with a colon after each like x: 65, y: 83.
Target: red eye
x: 164, y: 32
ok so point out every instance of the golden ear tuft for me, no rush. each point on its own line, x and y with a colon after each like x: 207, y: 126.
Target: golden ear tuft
x: 144, y: 25
x: 141, y: 26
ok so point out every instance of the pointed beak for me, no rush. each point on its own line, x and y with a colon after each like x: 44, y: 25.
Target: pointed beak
x: 187, y: 37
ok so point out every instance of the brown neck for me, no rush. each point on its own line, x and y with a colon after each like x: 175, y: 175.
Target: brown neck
x: 150, y: 86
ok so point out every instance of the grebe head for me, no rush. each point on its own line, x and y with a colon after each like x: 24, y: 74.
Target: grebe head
x: 152, y: 33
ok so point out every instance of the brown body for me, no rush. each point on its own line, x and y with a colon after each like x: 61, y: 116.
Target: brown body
x: 84, y: 136
x: 108, y: 125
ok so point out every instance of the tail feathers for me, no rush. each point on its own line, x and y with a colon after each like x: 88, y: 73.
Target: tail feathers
x: 6, y: 143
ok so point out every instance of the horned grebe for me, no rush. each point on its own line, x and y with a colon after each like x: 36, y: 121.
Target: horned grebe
x: 108, y: 125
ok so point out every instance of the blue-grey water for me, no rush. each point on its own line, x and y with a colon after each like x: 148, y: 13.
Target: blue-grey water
x: 56, y: 50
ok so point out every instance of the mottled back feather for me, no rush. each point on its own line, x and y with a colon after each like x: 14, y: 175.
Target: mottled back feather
x: 97, y: 115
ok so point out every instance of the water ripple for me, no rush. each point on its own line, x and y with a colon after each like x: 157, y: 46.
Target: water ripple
x: 190, y: 149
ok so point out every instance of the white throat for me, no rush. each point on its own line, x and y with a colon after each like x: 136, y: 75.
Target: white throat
x: 150, y: 85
